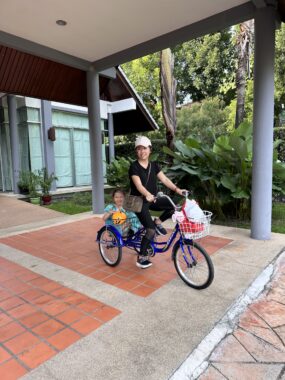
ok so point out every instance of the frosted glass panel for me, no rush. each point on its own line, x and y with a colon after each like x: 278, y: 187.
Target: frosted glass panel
x: 24, y: 147
x: 35, y: 147
x: 62, y: 154
x: 65, y: 119
x: 6, y: 156
x: 82, y: 157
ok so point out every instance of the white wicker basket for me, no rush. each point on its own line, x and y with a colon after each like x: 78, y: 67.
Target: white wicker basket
x: 196, y: 228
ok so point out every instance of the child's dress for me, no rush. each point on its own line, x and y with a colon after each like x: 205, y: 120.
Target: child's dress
x: 132, y: 222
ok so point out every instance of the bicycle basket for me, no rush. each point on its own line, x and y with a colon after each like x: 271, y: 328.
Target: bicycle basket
x: 196, y: 228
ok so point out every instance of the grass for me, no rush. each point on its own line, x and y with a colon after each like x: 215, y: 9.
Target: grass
x: 78, y: 203
x: 278, y: 217
x: 68, y: 207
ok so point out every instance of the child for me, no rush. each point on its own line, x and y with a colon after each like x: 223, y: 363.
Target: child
x: 132, y: 224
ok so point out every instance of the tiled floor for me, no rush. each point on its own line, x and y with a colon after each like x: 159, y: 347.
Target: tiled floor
x: 256, y: 349
x: 39, y: 318
x: 73, y: 246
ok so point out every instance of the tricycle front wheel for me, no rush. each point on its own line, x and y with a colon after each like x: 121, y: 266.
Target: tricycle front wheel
x: 193, y: 264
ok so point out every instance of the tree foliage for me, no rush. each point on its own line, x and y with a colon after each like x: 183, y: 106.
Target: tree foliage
x: 168, y: 95
x: 280, y: 67
x: 205, y: 120
x: 203, y: 65
x: 143, y: 73
x: 243, y: 39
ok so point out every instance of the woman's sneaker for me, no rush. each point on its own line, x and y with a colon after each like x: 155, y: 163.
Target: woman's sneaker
x: 143, y: 262
x: 160, y: 230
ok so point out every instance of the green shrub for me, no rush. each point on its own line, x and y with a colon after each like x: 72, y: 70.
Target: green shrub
x: 46, y: 180
x: 118, y: 173
x: 24, y: 180
x: 220, y: 175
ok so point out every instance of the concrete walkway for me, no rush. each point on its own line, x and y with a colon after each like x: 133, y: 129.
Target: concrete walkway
x: 15, y: 212
x: 67, y: 322
x: 152, y: 335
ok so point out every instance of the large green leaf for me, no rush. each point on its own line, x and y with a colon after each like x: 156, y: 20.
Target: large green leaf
x: 244, y: 130
x: 192, y: 143
x: 239, y: 146
x: 241, y: 194
x: 184, y: 149
x: 173, y: 154
x: 221, y: 144
x: 279, y: 170
x: 229, y: 182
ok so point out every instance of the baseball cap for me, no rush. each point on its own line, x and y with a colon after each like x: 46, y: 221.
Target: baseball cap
x: 142, y: 141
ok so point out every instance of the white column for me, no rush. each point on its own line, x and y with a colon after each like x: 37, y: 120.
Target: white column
x: 14, y: 141
x: 263, y: 115
x: 111, y: 134
x: 49, y: 160
x: 93, y: 100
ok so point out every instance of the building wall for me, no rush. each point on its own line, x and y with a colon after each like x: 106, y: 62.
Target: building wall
x: 71, y: 147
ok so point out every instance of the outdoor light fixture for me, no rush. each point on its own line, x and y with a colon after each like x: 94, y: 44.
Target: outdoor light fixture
x: 61, y: 22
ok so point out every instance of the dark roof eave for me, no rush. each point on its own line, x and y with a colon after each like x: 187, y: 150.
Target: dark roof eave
x: 137, y: 98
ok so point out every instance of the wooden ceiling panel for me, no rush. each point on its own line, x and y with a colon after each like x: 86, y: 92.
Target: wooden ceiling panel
x: 28, y: 75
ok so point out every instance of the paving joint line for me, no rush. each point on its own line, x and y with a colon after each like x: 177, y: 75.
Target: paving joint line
x: 197, y: 362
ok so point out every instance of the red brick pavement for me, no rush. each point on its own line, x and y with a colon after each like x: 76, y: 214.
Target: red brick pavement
x: 256, y: 348
x: 39, y: 318
x: 73, y: 246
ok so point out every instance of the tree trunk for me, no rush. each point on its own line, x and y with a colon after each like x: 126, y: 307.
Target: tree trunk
x: 243, y: 48
x: 168, y: 95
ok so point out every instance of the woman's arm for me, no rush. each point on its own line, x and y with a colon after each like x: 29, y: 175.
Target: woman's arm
x: 138, y: 184
x: 168, y: 183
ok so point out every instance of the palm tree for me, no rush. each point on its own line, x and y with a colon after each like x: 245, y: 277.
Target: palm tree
x: 168, y: 95
x: 243, y: 43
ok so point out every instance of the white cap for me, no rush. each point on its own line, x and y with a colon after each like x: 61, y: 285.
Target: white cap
x: 142, y: 141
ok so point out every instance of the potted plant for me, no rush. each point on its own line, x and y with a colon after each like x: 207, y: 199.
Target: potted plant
x: 23, y: 183
x: 46, y: 181
x: 34, y: 182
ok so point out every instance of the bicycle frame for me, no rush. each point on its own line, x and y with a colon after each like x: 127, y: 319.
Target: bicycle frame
x: 134, y: 242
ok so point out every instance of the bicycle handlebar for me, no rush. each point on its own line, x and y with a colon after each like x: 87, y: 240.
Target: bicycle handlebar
x: 160, y: 194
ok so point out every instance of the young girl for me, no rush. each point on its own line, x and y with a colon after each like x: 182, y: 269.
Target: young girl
x: 131, y: 225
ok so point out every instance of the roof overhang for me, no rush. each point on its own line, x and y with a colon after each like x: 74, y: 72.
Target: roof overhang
x: 39, y: 58
x: 105, y: 34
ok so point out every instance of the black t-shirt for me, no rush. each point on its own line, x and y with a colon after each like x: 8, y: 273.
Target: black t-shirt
x: 140, y: 171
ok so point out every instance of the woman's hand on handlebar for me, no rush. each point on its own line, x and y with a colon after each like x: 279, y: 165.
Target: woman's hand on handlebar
x: 150, y: 198
x: 182, y: 192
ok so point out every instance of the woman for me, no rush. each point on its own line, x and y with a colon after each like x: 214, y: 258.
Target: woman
x: 143, y: 180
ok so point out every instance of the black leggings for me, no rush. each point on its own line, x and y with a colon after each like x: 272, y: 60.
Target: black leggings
x: 145, y: 218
